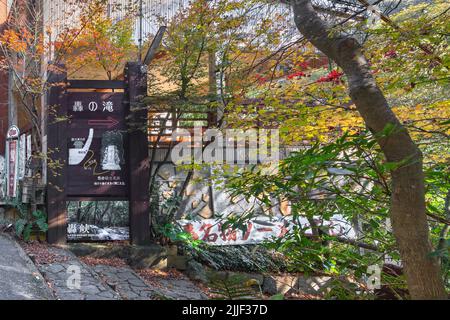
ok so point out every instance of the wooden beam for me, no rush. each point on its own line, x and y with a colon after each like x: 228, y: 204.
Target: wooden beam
x: 57, y: 146
x: 138, y: 155
x: 99, y: 198
x: 96, y: 84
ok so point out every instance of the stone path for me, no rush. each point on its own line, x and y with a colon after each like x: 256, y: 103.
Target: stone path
x: 131, y: 286
x: 63, y: 278
x: 104, y: 282
x: 180, y: 289
x: 59, y: 274
x: 19, y: 278
x: 126, y: 283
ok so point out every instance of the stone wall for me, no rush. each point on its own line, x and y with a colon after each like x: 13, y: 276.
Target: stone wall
x: 202, y: 198
x: 205, y: 198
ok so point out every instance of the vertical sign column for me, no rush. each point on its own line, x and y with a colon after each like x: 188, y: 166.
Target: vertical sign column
x: 22, y: 156
x: 57, y: 163
x: 136, y: 82
x: 12, y: 161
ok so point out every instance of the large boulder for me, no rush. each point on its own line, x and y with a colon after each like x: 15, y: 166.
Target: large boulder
x: 196, y: 271
x: 144, y: 257
x: 246, y: 258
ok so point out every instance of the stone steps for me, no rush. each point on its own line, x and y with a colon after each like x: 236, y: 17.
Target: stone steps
x: 63, y: 276
x: 104, y: 282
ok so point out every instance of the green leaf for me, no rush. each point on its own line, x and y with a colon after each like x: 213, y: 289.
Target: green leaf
x: 39, y: 214
x: 388, y: 130
x: 27, y: 232
x: 20, y: 226
x: 42, y: 225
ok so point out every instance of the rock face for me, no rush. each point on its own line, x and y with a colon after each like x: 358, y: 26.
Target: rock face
x: 254, y: 263
x: 146, y: 257
x: 196, y: 271
x: 287, y: 284
x: 247, y: 258
x: 267, y: 283
x: 206, y: 212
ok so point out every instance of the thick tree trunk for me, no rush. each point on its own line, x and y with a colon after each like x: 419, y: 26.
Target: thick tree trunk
x: 408, y: 212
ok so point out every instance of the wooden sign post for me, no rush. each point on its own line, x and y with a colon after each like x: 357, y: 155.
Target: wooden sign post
x: 136, y: 89
x: 98, y: 149
x: 57, y: 162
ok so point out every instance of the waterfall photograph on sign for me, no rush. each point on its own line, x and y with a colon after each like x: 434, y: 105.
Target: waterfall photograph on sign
x: 98, y: 221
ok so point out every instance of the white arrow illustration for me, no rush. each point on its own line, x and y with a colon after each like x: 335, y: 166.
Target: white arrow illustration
x: 76, y: 156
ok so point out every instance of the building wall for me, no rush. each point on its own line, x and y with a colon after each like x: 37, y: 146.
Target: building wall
x: 3, y: 87
x: 3, y: 109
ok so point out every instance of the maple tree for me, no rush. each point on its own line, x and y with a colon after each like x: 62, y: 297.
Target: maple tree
x: 103, y: 42
x: 407, y: 209
x: 292, y: 85
x: 32, y: 51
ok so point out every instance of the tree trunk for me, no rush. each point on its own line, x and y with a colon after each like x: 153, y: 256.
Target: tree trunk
x: 408, y: 211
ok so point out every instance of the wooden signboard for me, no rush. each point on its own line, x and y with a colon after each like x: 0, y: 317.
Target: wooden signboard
x: 97, y: 145
x: 102, y: 155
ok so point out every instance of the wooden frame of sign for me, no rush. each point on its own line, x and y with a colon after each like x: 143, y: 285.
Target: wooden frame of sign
x: 75, y: 108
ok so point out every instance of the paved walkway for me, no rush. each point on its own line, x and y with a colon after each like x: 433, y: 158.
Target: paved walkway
x: 126, y: 282
x: 74, y: 280
x: 180, y: 289
x: 19, y: 278
x: 131, y: 286
x: 63, y: 276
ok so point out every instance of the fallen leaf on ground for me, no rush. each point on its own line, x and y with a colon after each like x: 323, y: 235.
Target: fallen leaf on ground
x: 112, y: 262
x: 41, y: 253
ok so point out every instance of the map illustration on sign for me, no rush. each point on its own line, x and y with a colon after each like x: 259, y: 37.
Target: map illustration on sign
x: 79, y: 153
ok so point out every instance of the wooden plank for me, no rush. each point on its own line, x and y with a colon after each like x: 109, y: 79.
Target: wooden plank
x: 138, y: 156
x: 183, y: 119
x: 57, y: 147
x: 178, y: 127
x: 96, y: 84
x: 177, y: 111
x: 99, y: 198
